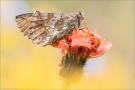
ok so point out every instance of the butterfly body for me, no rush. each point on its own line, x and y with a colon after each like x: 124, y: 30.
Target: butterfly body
x: 43, y: 28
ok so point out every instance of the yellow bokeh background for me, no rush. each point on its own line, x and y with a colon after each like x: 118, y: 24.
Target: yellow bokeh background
x: 25, y: 65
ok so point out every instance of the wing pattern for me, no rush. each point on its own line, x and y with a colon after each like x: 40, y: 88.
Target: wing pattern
x: 45, y: 27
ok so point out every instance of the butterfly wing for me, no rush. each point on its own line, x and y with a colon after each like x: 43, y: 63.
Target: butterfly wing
x: 45, y: 27
x: 32, y: 25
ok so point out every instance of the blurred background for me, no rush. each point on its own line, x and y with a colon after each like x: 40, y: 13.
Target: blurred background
x: 25, y: 65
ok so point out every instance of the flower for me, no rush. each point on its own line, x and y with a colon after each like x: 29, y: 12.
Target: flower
x: 83, y: 43
x: 77, y: 47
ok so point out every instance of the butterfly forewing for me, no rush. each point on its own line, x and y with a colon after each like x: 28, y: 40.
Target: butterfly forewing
x: 32, y: 26
x: 45, y: 27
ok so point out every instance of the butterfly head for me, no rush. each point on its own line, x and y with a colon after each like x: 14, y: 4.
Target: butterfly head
x: 81, y: 15
x: 80, y: 18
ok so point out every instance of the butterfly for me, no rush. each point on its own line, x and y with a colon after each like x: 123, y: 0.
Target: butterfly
x: 43, y: 28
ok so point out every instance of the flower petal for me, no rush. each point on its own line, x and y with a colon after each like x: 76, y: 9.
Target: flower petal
x: 102, y: 49
x: 64, y: 46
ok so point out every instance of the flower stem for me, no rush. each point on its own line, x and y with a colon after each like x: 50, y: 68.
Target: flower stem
x: 72, y: 69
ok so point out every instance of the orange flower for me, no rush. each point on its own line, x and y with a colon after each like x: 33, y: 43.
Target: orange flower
x: 83, y: 43
x: 76, y: 47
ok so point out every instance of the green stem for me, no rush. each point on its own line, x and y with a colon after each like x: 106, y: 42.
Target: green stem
x: 72, y: 69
